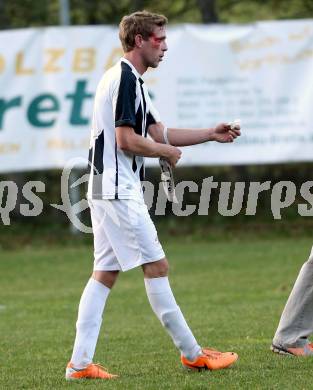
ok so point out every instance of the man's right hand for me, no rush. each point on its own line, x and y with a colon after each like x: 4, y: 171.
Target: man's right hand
x: 128, y: 141
x: 172, y: 155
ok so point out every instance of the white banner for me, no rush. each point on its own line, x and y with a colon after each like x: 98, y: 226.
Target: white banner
x: 260, y: 73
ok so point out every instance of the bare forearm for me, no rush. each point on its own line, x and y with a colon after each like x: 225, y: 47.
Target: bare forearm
x: 223, y: 132
x: 141, y: 146
x: 187, y: 137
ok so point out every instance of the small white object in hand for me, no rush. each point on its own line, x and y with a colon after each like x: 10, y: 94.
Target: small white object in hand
x: 235, y: 124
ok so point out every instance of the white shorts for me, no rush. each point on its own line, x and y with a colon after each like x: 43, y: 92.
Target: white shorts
x: 124, y: 235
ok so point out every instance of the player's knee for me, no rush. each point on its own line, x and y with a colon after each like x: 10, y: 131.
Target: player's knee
x: 108, y: 278
x: 164, y: 268
x: 156, y: 269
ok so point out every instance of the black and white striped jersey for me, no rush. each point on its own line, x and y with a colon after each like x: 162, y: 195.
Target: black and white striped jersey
x: 121, y: 100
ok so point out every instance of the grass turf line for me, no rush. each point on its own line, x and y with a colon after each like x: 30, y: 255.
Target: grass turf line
x: 231, y: 293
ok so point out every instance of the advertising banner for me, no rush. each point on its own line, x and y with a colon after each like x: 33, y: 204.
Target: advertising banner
x: 260, y: 73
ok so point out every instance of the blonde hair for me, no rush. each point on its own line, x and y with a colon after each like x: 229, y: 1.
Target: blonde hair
x: 142, y: 23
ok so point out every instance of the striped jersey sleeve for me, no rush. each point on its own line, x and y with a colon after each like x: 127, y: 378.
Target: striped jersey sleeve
x: 124, y: 98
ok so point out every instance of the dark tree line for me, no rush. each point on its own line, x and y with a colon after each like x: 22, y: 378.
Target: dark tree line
x: 31, y: 13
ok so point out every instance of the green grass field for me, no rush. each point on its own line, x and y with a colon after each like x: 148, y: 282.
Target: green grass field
x: 231, y: 292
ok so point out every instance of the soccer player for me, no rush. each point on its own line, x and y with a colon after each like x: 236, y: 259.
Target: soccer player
x: 124, y: 234
x: 296, y: 322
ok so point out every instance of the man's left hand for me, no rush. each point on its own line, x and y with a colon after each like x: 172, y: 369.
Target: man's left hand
x: 223, y: 133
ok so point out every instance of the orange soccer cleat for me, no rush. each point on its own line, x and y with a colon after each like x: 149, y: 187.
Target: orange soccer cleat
x: 92, y: 371
x: 211, y: 360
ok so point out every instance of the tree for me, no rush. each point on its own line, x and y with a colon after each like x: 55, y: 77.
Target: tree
x: 208, y: 11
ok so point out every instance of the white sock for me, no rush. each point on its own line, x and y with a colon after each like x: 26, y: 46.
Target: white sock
x: 88, y: 323
x: 165, y: 307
